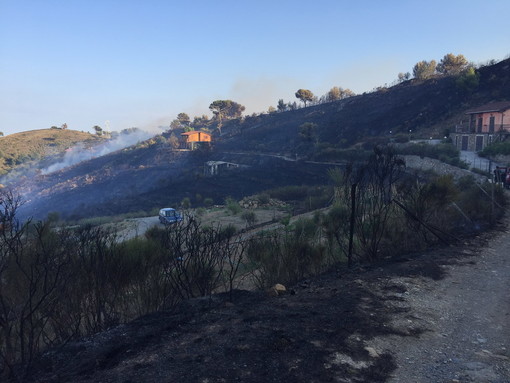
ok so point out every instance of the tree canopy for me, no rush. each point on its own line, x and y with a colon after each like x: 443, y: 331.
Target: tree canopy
x: 451, y: 64
x: 469, y: 80
x: 304, y: 95
x: 226, y: 109
x: 282, y: 106
x: 424, y: 69
x: 98, y: 129
x: 404, y: 76
x: 307, y: 131
x: 183, y: 119
x: 339, y: 93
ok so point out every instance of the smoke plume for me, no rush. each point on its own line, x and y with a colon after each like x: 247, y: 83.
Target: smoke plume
x: 80, y: 153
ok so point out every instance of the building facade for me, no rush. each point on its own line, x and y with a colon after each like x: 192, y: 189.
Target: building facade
x: 484, y: 125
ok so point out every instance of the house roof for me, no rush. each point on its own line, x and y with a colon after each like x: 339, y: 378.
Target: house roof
x: 194, y: 132
x: 492, y: 107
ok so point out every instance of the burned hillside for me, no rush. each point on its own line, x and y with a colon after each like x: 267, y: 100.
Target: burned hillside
x: 150, y: 174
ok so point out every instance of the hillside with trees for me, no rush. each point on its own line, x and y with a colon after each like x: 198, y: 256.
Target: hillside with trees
x: 340, y: 128
x: 428, y: 104
x: 352, y: 246
x: 35, y: 145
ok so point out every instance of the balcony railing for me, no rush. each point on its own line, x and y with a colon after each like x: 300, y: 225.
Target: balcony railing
x: 464, y: 128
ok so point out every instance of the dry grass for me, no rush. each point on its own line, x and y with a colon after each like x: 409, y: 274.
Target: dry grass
x: 19, y: 148
x: 223, y: 217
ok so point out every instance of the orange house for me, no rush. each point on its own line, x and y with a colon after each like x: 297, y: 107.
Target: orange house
x: 191, y: 140
x: 486, y: 124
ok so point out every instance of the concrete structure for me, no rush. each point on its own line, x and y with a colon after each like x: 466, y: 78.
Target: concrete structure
x: 486, y: 124
x: 212, y: 168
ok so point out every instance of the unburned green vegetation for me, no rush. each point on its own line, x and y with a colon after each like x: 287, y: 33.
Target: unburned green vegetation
x: 495, y: 149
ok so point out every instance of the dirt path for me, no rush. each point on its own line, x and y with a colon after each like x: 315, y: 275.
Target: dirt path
x: 466, y: 318
x: 135, y: 227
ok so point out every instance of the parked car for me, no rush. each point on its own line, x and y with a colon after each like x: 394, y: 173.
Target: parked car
x: 168, y: 216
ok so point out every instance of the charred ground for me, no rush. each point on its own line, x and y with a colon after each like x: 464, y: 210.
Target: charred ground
x: 322, y: 330
x: 150, y: 175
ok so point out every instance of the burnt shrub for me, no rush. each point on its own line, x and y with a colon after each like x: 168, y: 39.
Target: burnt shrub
x: 476, y: 203
x: 287, y: 255
x: 249, y: 217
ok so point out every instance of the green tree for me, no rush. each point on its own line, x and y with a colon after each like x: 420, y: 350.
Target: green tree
x: 304, y: 95
x: 282, y: 106
x: 98, y: 130
x: 307, y: 131
x: 225, y: 109
x: 451, y: 64
x: 235, y: 111
x: 201, y: 121
x: 424, y: 69
x: 184, y: 119
x: 175, y: 124
x: 468, y: 81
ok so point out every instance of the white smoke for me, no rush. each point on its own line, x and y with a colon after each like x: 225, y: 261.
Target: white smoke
x: 80, y: 153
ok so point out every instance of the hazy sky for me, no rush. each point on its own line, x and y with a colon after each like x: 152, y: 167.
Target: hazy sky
x: 139, y: 63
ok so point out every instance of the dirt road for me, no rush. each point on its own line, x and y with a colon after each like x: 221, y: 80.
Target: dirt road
x: 135, y: 227
x: 465, y: 318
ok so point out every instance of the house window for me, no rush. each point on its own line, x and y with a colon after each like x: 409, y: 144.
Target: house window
x: 491, y: 124
x: 480, y: 124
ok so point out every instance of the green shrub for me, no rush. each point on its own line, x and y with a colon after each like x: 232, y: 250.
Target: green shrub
x: 233, y: 206
x: 495, y: 149
x: 200, y: 211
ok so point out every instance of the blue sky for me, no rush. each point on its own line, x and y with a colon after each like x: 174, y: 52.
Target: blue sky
x: 140, y: 63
